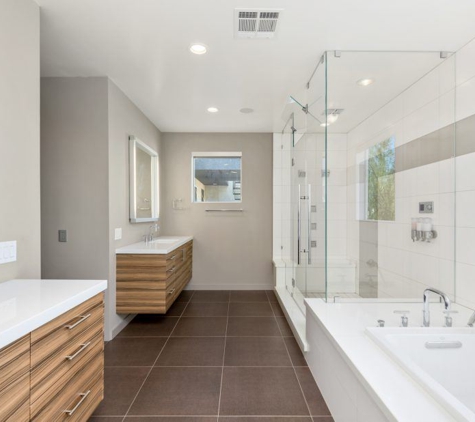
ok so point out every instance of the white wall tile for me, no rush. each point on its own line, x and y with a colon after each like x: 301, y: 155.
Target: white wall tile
x: 465, y: 172
x: 465, y: 206
x: 446, y: 175
x: 422, y: 92
x: 465, y: 106
x: 465, y: 245
x: 422, y: 121
x: 427, y: 180
x: 465, y: 63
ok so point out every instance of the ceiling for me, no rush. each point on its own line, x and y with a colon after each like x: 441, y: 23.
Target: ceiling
x: 142, y: 45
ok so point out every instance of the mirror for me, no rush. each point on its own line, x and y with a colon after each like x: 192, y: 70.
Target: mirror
x: 143, y: 182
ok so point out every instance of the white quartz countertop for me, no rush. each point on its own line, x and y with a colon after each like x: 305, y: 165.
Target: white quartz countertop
x: 26, y: 305
x: 401, y: 397
x: 160, y: 245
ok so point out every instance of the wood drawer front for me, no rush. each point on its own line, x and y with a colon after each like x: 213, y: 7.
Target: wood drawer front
x: 88, y: 406
x: 14, y: 361
x: 13, y: 398
x: 90, y: 377
x: 66, y: 328
x: 50, y: 377
x: 156, y: 261
x: 22, y: 414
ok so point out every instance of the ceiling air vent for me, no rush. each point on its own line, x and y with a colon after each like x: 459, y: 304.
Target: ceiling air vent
x: 256, y: 23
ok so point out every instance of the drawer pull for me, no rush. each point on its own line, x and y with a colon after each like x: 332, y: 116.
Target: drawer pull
x: 82, y: 319
x: 171, y: 291
x: 172, y: 257
x: 81, y: 349
x: 171, y: 269
x: 83, y: 397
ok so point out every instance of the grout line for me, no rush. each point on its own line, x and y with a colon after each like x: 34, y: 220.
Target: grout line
x: 154, y: 363
x: 224, y: 356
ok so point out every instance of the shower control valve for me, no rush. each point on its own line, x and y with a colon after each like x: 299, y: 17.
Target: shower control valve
x: 404, y: 318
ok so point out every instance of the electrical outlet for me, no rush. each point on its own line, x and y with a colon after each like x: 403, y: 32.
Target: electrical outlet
x: 118, y: 234
x: 62, y: 235
x: 7, y: 252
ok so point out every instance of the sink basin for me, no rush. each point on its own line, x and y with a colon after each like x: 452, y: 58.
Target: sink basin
x: 164, y: 240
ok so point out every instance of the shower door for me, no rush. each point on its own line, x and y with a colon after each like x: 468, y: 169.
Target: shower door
x: 301, y: 204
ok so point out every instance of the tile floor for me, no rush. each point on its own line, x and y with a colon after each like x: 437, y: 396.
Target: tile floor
x: 216, y: 354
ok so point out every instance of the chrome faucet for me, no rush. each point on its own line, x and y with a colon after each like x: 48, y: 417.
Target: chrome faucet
x: 471, y: 321
x: 151, y: 230
x: 425, y: 312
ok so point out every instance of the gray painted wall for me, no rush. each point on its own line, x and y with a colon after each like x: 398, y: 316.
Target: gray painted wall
x: 74, y: 177
x: 231, y: 251
x: 20, y: 135
x: 124, y: 119
x: 85, y: 125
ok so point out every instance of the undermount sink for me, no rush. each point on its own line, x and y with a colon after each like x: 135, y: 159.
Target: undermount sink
x: 163, y: 240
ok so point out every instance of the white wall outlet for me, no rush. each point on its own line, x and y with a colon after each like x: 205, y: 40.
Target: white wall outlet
x: 7, y: 252
x: 118, y: 234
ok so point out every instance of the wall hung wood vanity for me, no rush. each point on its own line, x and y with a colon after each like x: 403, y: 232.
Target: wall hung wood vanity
x: 150, y: 276
x: 51, y: 350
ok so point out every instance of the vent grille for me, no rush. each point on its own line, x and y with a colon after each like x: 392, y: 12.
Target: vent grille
x: 256, y: 23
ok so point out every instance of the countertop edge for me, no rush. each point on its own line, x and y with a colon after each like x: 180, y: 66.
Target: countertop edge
x: 133, y: 250
x: 15, y: 332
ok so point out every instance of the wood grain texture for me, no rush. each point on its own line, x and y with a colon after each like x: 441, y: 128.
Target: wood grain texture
x: 15, y: 381
x: 57, y: 339
x: 151, y: 283
x: 91, y: 376
x: 67, y: 318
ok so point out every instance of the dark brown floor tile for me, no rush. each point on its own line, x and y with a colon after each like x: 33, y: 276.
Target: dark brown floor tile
x: 315, y: 401
x: 179, y: 391
x: 250, y: 309
x: 261, y: 391
x: 266, y: 419
x: 175, y: 419
x: 149, y: 326
x: 177, y: 308
x: 193, y: 351
x: 197, y: 309
x: 284, y: 327
x: 211, y: 296
x: 249, y: 296
x: 120, y: 387
x: 253, y: 326
x: 185, y: 296
x: 295, y: 352
x: 272, y: 296
x: 277, y: 309
x: 131, y: 351
x: 256, y: 351
x: 200, y: 326
x: 106, y: 419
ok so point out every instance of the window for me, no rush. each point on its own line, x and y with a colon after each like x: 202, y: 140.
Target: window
x: 380, y: 181
x: 216, y: 177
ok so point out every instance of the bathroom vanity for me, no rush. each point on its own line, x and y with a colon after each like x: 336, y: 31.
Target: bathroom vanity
x: 151, y: 275
x: 51, y: 349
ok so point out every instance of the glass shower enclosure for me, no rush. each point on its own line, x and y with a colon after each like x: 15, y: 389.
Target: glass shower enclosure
x: 366, y: 136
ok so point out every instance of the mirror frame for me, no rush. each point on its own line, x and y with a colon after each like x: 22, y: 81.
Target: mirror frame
x: 135, y: 143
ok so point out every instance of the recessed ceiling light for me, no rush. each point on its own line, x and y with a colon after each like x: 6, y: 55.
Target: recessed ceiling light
x: 198, y: 49
x: 212, y: 110
x: 365, y: 82
x: 247, y: 110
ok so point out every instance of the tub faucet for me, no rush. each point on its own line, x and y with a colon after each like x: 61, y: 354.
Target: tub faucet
x: 471, y: 321
x: 425, y: 312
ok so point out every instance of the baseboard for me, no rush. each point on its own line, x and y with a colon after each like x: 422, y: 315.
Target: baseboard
x: 117, y: 329
x: 192, y: 286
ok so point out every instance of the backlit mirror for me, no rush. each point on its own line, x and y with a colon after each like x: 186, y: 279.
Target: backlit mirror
x: 143, y: 182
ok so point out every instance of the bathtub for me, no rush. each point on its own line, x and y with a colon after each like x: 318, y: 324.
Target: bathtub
x: 442, y: 360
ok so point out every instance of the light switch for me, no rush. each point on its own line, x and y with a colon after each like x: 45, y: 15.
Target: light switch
x: 118, y: 234
x: 7, y: 252
x: 62, y: 235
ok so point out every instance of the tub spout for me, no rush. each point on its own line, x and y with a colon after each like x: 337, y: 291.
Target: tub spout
x: 425, y: 312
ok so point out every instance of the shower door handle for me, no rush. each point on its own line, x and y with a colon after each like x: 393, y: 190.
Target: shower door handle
x: 309, y: 226
x: 299, y: 228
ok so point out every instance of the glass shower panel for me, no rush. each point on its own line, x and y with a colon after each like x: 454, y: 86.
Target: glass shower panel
x: 390, y: 166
